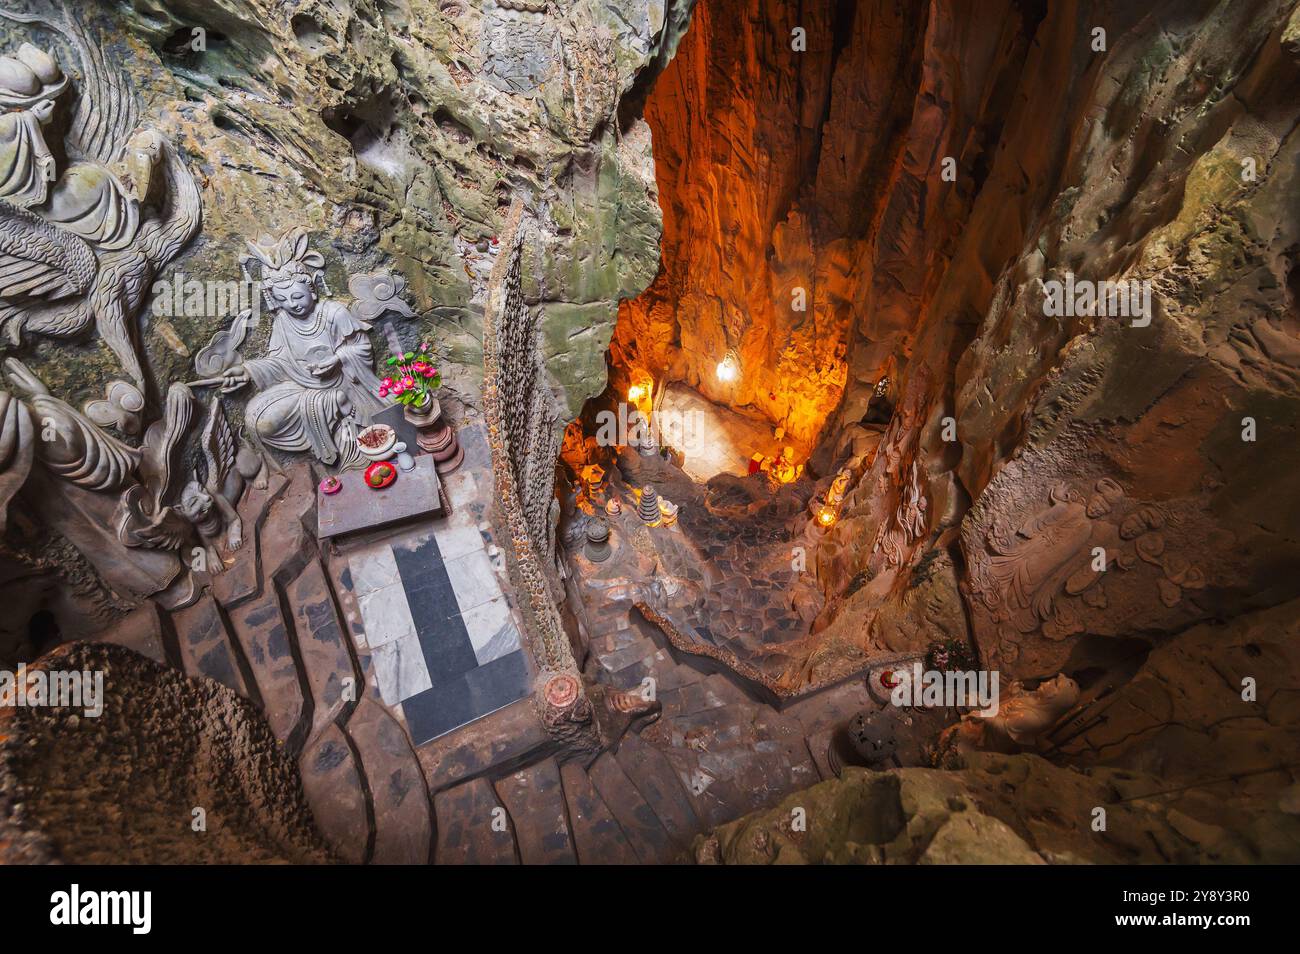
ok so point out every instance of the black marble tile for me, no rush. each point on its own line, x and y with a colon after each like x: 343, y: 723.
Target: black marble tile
x: 499, y: 682
x: 458, y: 701
x: 438, y: 624
x: 437, y: 711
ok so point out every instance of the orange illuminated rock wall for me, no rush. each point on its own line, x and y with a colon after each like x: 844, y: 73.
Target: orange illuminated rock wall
x: 788, y: 175
x: 772, y: 164
x: 1018, y: 443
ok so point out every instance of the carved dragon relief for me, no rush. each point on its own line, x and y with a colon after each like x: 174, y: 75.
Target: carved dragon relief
x: 1035, y: 575
x: 907, y: 524
x: 907, y: 521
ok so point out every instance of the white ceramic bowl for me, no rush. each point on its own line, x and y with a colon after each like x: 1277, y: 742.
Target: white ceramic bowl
x: 379, y: 451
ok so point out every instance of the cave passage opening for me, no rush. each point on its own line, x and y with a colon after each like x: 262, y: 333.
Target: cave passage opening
x: 715, y: 458
x: 737, y: 354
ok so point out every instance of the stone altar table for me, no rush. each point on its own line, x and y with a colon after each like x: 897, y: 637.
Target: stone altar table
x: 414, y: 494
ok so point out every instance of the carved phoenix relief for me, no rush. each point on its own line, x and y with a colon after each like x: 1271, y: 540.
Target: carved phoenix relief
x: 80, y: 247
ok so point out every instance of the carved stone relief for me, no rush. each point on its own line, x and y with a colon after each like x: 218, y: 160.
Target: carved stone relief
x: 83, y: 252
x: 315, y: 387
x: 1087, y: 559
x: 81, y: 240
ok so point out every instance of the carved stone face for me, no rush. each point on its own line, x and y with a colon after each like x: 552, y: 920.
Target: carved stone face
x: 297, y: 295
x: 1060, y: 690
x: 196, y: 503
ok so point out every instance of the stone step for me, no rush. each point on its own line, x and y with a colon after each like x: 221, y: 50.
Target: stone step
x: 534, y: 797
x: 641, y: 826
x: 597, y: 836
x: 262, y: 634
x: 657, y: 781
x: 718, y: 727
x: 615, y: 633
x: 403, y: 813
x: 323, y: 646
x: 243, y: 578
x: 831, y: 708
x: 473, y: 827
x: 288, y: 536
x: 332, y: 782
x: 206, y: 647
x: 503, y: 741
x: 627, y: 655
x: 708, y: 693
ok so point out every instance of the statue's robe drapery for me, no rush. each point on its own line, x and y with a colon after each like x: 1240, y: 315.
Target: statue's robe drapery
x: 294, y: 409
x: 89, y: 201
x: 26, y: 165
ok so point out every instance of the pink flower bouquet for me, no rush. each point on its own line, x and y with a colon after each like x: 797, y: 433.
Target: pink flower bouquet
x: 412, y: 379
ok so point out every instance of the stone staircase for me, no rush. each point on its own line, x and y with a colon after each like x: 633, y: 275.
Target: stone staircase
x: 279, y: 628
x: 713, y: 754
x: 271, y: 628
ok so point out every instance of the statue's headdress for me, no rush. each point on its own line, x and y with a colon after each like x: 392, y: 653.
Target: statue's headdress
x: 286, y: 258
x: 283, y: 261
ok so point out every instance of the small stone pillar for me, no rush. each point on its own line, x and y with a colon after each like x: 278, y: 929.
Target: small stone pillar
x: 445, y: 448
x: 597, y: 548
x: 435, y: 435
x: 648, y: 508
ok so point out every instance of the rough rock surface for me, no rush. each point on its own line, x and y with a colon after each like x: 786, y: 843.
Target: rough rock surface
x: 1189, y: 767
x: 123, y: 787
x: 396, y: 132
x: 920, y: 170
x: 1002, y: 810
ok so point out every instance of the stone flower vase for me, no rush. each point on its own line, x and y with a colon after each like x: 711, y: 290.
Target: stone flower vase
x: 434, y: 434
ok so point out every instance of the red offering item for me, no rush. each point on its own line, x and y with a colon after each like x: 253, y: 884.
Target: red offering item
x: 380, y: 474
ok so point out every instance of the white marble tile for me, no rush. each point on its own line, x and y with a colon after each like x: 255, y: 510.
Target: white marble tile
x: 386, y: 615
x: 457, y: 539
x: 373, y: 568
x: 505, y: 641
x: 473, y: 580
x: 400, y: 669
x: 484, y: 622
x: 461, y: 491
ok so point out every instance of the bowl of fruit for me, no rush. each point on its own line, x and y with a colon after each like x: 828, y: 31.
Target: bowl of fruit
x: 377, y: 441
x: 380, y: 474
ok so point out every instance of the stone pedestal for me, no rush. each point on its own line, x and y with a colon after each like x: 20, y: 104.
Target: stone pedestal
x: 415, y: 494
x: 436, y: 436
x: 597, y: 548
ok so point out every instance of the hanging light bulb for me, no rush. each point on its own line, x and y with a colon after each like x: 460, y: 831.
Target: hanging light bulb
x: 729, y: 366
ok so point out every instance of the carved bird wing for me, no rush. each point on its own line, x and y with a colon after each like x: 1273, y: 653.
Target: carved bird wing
x: 219, y: 447
x: 38, y: 259
x: 139, y: 525
x: 160, y: 465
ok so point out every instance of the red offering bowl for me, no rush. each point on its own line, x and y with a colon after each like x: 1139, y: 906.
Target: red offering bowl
x: 380, y: 474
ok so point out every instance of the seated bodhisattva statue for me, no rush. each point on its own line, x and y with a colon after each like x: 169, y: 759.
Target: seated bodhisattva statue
x: 315, y: 386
